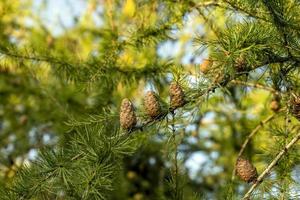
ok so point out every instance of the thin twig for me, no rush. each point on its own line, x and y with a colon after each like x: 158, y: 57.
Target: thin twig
x: 255, y: 85
x: 209, y: 22
x: 254, y: 131
x: 257, y: 128
x: 271, y: 165
x: 248, y: 13
x: 175, y: 156
x: 203, y: 4
x: 34, y: 58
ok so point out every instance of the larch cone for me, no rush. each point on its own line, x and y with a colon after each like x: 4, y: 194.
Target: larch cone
x: 245, y: 170
x: 127, y: 115
x: 176, y: 96
x: 152, y: 105
x: 295, y: 107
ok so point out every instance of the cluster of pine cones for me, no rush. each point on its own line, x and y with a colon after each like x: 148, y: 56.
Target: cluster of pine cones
x: 153, y: 108
x: 128, y: 120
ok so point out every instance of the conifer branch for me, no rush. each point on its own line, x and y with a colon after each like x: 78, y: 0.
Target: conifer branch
x: 249, y: 137
x: 209, y: 22
x: 232, y: 6
x: 271, y: 165
x: 33, y: 58
x: 248, y: 13
x: 279, y: 23
x: 95, y: 68
x: 217, y: 83
x: 150, y: 122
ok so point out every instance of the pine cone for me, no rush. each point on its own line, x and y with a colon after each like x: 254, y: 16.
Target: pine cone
x: 205, y: 66
x: 240, y: 64
x: 176, y: 96
x: 127, y: 116
x: 131, y: 175
x: 152, y: 105
x: 23, y: 119
x: 245, y: 170
x: 295, y: 107
x: 275, y: 105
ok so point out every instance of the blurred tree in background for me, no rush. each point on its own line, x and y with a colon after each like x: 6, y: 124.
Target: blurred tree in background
x: 63, y: 79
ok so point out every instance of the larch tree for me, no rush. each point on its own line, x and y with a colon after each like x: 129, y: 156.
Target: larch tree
x: 150, y: 99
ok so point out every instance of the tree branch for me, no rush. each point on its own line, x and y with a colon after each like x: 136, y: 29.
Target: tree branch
x: 271, y: 165
x: 248, y: 13
x: 216, y: 84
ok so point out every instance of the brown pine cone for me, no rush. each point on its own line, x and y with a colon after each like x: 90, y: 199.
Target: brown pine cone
x: 176, y: 96
x: 23, y: 119
x: 127, y: 115
x: 245, y: 170
x: 240, y: 64
x: 295, y: 107
x: 152, y: 105
x: 275, y: 105
x: 205, y: 66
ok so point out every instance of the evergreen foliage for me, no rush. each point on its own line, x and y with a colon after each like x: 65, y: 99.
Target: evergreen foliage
x: 61, y: 97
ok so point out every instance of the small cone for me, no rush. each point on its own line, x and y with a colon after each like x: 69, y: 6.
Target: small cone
x: 131, y: 175
x: 152, y: 105
x: 295, y: 107
x: 205, y: 66
x: 127, y: 116
x: 23, y: 119
x: 245, y: 170
x: 240, y: 64
x: 176, y: 96
x: 138, y: 196
x: 274, y: 105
